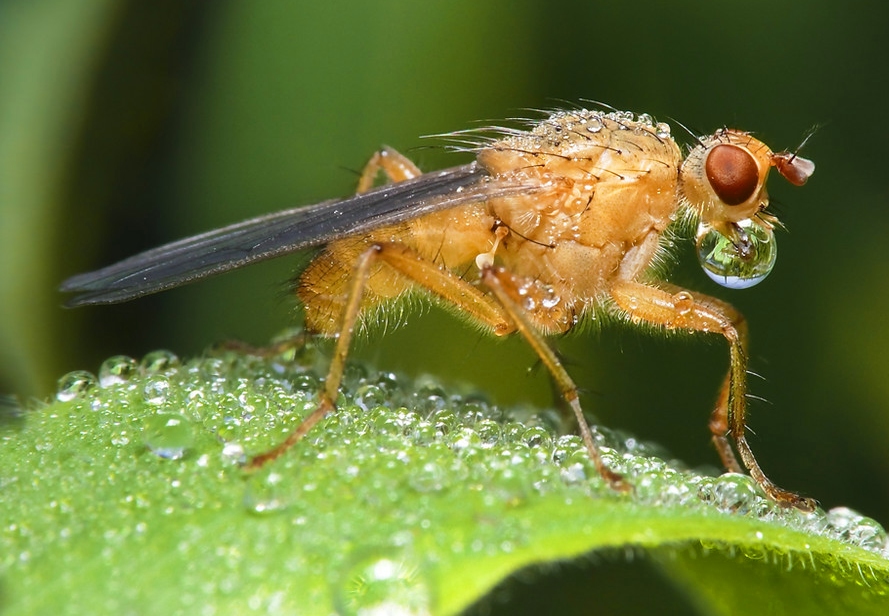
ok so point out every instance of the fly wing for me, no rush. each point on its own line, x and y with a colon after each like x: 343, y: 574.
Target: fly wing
x: 282, y: 233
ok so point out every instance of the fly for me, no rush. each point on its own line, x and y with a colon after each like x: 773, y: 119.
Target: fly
x: 545, y: 227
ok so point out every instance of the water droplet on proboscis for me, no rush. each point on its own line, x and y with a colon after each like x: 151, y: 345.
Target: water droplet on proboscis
x: 740, y: 263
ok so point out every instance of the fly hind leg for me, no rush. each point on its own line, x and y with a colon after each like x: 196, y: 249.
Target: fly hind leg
x: 426, y: 274
x: 396, y: 166
x: 328, y: 395
x: 291, y: 343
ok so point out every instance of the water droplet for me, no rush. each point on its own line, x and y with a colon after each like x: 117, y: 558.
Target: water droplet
x: 662, y: 130
x: 384, y: 421
x: 306, y: 382
x: 212, y: 368
x: 267, y: 492
x: 626, y: 116
x: 741, y: 262
x: 474, y: 409
x: 489, y: 432
x: 370, y: 396
x: 159, y: 361
x: 168, y: 435
x: 430, y: 399
x: 233, y: 453
x: 354, y: 375
x: 573, y: 473
x: 512, y: 431
x: 463, y: 439
x: 116, y: 370
x: 74, y: 384
x: 849, y: 525
x: 420, y: 431
x: 734, y: 493
x: 679, y: 492
x: 429, y: 478
x: 445, y: 422
x: 156, y: 390
x: 387, y: 381
x: 683, y: 302
x: 565, y: 448
x: 384, y: 582
x: 594, y: 125
x: 120, y: 439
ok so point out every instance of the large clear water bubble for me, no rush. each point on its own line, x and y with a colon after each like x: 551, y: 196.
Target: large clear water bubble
x: 740, y: 262
x: 168, y: 435
x: 74, y: 384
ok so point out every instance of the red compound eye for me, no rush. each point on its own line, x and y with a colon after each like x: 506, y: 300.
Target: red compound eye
x: 732, y: 172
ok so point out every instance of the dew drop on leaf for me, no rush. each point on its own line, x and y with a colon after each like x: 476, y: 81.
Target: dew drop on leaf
x: 168, y: 435
x: 116, y: 370
x: 74, y: 384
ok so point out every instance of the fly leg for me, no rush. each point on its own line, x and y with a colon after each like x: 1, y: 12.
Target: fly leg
x: 437, y: 280
x: 397, y: 168
x: 501, y: 282
x: 682, y: 309
x: 288, y: 344
x: 390, y: 161
x: 719, y: 422
x: 327, y: 397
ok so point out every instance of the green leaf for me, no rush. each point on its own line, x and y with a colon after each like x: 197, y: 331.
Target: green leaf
x: 126, y: 495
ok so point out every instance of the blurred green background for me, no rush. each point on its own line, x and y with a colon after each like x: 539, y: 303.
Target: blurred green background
x: 124, y: 125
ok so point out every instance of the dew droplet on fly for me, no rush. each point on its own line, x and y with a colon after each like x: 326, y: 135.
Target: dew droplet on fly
x: 738, y: 263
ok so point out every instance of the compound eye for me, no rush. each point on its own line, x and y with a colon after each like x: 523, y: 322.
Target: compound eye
x: 732, y: 172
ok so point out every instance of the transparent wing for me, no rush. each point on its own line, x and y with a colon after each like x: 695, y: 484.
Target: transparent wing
x: 281, y: 233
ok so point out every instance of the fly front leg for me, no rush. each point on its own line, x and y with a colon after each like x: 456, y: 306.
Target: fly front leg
x: 501, y: 283
x: 680, y: 309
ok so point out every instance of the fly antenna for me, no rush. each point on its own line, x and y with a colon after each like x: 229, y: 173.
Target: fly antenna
x: 809, y: 134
